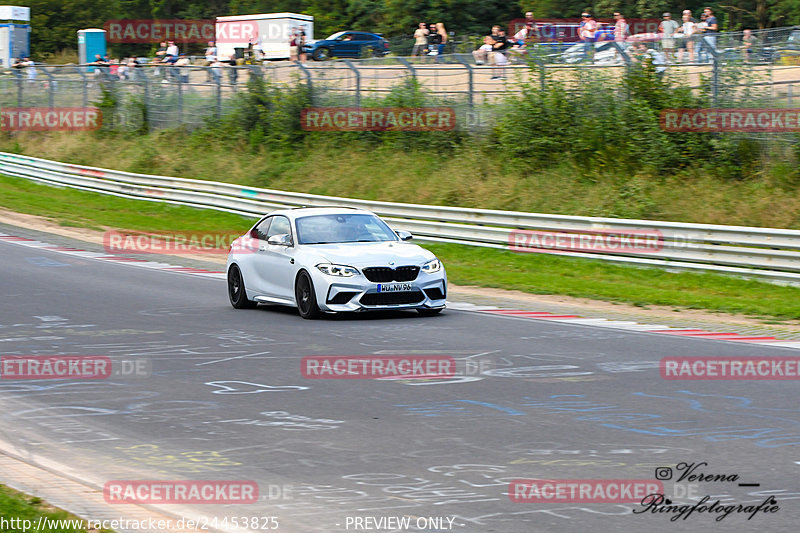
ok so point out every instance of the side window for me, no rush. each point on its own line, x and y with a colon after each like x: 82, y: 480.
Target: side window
x: 262, y: 227
x: 280, y: 226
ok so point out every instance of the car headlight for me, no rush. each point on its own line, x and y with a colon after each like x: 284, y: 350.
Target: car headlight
x: 337, y: 270
x: 432, y: 266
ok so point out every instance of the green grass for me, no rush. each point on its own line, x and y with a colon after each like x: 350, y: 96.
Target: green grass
x: 466, y: 265
x: 19, y: 507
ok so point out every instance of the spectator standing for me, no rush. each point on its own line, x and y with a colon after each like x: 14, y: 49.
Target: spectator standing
x: 30, y: 69
x: 667, y: 28
x: 700, y: 30
x: 443, y: 34
x: 434, y: 39
x: 685, y: 33
x: 172, y: 50
x: 233, y: 73
x: 293, y: 50
x: 587, y: 33
x: 749, y: 44
x: 182, y: 69
x: 621, y: 28
x: 216, y: 71
x: 302, y: 40
x: 712, y: 29
x: 162, y: 50
x: 210, y: 57
x: 420, y: 39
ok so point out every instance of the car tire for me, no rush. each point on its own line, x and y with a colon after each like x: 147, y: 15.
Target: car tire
x: 305, y: 297
x: 429, y: 312
x: 236, y: 291
x: 321, y: 54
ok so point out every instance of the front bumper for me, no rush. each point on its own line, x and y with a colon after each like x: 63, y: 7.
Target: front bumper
x: 428, y: 291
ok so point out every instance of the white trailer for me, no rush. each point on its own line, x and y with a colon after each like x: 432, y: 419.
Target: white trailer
x: 270, y: 31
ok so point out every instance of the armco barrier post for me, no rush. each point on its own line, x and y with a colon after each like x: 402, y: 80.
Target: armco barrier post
x: 358, y: 81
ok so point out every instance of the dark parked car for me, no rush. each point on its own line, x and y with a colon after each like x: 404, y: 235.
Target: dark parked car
x: 348, y: 44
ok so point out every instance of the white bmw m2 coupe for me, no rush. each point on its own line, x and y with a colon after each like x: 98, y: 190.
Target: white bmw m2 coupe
x: 332, y: 260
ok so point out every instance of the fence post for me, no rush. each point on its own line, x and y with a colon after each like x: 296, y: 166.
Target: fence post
x: 409, y: 66
x: 309, y: 81
x: 358, y: 80
x: 18, y: 80
x: 179, y: 75
x: 146, y: 101
x: 85, y: 84
x: 218, y: 81
x: 789, y: 93
x: 470, y: 80
x: 51, y: 82
x: 715, y: 66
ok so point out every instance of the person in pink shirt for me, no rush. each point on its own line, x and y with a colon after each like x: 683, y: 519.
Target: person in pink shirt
x: 587, y: 32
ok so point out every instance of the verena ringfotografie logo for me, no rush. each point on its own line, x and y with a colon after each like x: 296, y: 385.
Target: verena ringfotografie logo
x: 729, y: 368
x: 182, y: 492
x: 115, y: 242
x: 731, y: 120
x: 14, y: 367
x: 582, y: 490
x: 378, y: 119
x: 50, y: 118
x: 598, y: 241
x: 376, y: 366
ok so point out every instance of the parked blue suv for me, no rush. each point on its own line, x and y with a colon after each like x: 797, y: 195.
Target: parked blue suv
x: 348, y: 44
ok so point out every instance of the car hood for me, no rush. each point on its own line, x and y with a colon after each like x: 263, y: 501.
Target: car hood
x: 362, y: 254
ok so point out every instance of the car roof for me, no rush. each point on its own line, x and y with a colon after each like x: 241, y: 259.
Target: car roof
x: 299, y: 212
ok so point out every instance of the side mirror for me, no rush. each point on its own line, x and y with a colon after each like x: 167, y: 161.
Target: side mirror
x: 280, y: 240
x: 404, y: 235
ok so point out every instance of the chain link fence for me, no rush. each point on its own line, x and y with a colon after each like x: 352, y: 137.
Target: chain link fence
x: 765, y: 72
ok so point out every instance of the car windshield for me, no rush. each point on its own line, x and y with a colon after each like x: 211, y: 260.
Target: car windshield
x: 335, y: 36
x: 338, y: 228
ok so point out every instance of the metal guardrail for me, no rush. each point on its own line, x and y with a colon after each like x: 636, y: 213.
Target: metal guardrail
x: 767, y: 253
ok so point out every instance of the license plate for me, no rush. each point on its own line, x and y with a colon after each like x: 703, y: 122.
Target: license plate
x: 395, y: 287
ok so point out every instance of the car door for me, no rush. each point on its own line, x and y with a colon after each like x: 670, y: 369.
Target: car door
x: 364, y: 42
x: 249, y: 262
x: 346, y: 45
x: 276, y: 262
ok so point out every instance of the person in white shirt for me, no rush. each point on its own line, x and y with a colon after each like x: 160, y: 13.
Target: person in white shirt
x: 684, y: 34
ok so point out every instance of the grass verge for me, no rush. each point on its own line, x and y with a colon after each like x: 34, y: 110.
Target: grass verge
x: 466, y: 265
x: 23, y: 512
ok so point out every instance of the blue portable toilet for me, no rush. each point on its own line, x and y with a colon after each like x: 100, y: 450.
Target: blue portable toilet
x: 15, y: 34
x: 91, y: 42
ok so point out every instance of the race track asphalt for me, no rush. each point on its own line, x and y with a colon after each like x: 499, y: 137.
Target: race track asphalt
x: 224, y: 399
